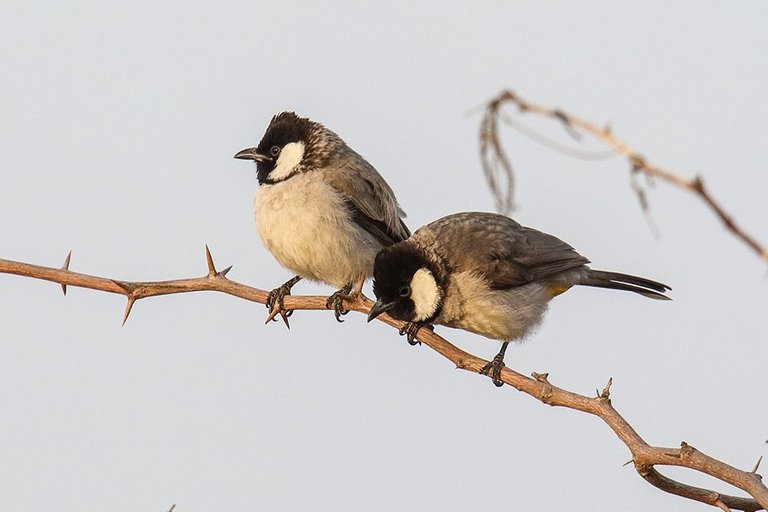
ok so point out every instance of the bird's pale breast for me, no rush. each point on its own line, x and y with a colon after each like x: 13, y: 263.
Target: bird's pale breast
x: 503, y: 315
x: 305, y: 224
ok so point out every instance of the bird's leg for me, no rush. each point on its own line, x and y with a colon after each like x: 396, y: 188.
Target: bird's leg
x: 494, y: 367
x: 336, y: 301
x: 276, y: 300
x: 351, y: 292
x: 357, y: 289
x: 411, y: 329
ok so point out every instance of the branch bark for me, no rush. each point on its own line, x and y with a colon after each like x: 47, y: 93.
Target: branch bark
x: 644, y: 456
x: 497, y: 164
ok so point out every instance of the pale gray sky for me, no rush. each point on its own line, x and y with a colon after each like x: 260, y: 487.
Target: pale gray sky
x: 118, y: 127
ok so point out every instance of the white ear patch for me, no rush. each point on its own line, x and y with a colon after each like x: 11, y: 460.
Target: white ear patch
x: 289, y: 158
x: 425, y: 294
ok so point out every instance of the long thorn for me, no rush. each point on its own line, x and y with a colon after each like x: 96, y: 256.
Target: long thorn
x: 209, y: 260
x: 65, y: 266
x: 285, y: 319
x: 757, y: 464
x: 128, y: 308
x: 722, y: 506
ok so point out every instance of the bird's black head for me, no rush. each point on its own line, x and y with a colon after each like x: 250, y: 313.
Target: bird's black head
x: 406, y: 285
x: 283, y: 147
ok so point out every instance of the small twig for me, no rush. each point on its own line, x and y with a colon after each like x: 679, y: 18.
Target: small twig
x: 553, y: 144
x: 606, y: 394
x: 496, y: 165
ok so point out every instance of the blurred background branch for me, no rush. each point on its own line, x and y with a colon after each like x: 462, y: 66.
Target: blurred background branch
x: 499, y: 172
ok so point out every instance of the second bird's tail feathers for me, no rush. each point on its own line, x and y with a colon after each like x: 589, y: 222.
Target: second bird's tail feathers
x: 618, y: 281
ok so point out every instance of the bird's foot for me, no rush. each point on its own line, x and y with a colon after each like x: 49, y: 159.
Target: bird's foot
x: 411, y: 329
x: 276, y: 301
x: 336, y: 302
x: 494, y: 367
x: 493, y: 370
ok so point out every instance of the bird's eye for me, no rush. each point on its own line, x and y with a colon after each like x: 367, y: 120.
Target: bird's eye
x: 404, y: 291
x: 274, y: 150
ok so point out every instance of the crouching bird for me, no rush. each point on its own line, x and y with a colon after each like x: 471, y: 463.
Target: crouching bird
x: 487, y: 274
x: 321, y: 209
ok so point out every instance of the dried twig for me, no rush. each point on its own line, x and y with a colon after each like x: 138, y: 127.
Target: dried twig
x: 644, y: 456
x: 497, y: 166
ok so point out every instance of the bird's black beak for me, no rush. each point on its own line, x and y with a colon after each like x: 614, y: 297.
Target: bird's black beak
x: 378, y: 308
x: 251, y: 154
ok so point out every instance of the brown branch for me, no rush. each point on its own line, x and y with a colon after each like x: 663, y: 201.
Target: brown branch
x: 644, y: 456
x: 491, y: 151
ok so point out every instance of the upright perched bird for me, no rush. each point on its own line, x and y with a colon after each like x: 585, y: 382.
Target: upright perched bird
x: 321, y: 209
x: 487, y: 274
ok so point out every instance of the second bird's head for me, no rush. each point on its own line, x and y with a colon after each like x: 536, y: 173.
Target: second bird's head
x: 291, y: 145
x: 407, y: 286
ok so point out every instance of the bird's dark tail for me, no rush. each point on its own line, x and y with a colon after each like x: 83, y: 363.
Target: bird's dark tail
x: 617, y: 281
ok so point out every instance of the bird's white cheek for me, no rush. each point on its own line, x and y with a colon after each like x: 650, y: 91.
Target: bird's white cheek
x: 425, y: 294
x: 290, y: 157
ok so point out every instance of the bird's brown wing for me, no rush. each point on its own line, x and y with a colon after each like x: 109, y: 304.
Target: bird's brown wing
x: 370, y: 200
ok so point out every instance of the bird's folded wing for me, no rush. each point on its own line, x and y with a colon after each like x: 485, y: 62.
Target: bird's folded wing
x: 371, y: 202
x: 504, y: 252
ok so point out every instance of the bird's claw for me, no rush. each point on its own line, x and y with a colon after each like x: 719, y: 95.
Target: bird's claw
x: 283, y: 314
x: 493, y: 370
x: 277, y: 297
x: 336, y: 302
x: 276, y: 302
x: 411, y: 330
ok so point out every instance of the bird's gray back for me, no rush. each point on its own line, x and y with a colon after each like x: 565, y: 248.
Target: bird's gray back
x: 499, y: 248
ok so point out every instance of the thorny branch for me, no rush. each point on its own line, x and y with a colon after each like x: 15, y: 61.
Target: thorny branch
x: 499, y: 173
x: 644, y: 456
